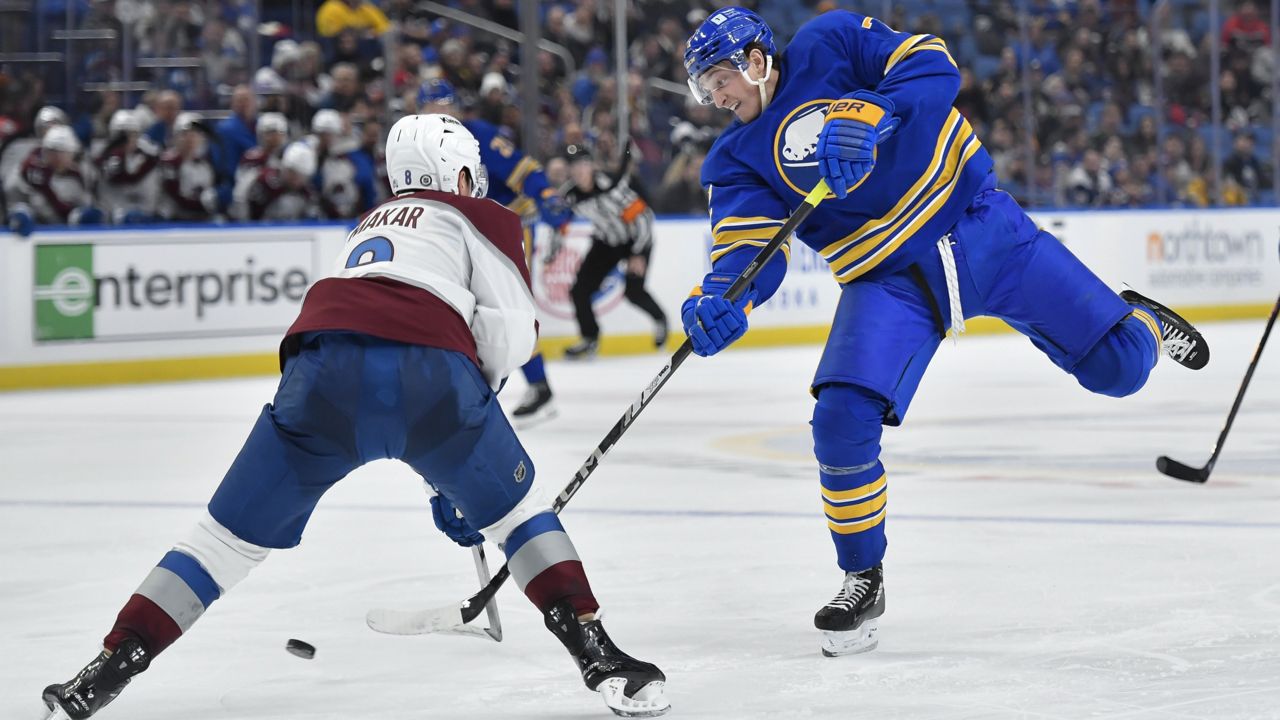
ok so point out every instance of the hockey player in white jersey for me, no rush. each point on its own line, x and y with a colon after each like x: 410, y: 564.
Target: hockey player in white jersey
x: 344, y: 176
x: 273, y: 134
x: 49, y: 188
x: 188, y: 176
x: 128, y: 184
x: 285, y: 192
x: 17, y: 150
x: 398, y: 354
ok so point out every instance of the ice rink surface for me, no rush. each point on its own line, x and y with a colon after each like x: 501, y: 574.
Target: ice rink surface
x: 1038, y: 565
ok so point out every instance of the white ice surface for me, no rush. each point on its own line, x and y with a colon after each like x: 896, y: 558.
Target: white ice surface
x: 1038, y: 567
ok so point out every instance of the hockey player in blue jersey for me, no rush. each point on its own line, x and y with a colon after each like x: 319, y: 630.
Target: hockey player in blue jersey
x: 517, y: 181
x: 917, y: 234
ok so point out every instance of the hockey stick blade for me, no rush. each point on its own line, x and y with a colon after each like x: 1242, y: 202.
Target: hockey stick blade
x: 448, y: 619
x: 443, y: 619
x: 1177, y: 470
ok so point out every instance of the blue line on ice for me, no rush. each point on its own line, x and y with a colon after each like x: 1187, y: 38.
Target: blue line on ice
x: 901, y: 517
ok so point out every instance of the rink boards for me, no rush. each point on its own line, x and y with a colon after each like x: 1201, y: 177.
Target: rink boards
x: 179, y: 302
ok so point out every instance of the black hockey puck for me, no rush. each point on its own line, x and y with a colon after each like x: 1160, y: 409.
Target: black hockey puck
x: 304, y: 650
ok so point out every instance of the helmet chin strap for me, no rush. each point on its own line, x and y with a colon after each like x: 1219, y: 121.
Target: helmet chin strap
x: 768, y: 70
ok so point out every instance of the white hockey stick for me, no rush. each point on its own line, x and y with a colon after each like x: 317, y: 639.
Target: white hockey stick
x: 416, y: 622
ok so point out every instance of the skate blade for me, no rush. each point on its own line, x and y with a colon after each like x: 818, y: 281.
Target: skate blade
x: 864, y: 638
x: 649, y: 701
x: 548, y: 412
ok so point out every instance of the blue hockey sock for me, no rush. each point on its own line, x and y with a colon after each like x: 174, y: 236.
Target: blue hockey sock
x: 1122, y: 360
x: 854, y: 500
x: 847, y: 424
x: 535, y: 371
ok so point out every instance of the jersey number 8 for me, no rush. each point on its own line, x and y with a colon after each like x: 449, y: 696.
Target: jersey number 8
x: 375, y: 249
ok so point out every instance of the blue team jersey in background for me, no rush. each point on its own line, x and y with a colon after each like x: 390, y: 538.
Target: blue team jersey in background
x: 926, y: 174
x: 515, y: 180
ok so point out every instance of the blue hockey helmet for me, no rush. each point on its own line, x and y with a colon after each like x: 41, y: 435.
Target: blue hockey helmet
x: 436, y: 90
x: 724, y: 35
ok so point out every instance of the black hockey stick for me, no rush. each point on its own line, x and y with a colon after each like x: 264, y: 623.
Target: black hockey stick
x: 1175, y: 469
x: 411, y: 622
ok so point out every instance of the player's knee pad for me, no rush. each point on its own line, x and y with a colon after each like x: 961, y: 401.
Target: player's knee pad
x: 534, y: 503
x: 224, y: 556
x: 1122, y: 360
x: 847, y: 424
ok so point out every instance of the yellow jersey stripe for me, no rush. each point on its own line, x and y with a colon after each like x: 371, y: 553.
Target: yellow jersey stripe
x: 733, y: 236
x: 853, y: 512
x: 1151, y: 324
x: 939, y: 46
x: 858, y: 493
x: 719, y: 253
x: 849, y: 529
x: 516, y: 179
x: 902, y: 50
x: 909, y: 198
x: 522, y: 205
x: 970, y: 149
x: 874, y: 243
x: 874, y: 233
x: 738, y: 222
x: 528, y: 245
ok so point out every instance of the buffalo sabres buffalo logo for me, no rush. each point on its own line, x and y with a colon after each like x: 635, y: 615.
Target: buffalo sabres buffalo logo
x: 795, y: 147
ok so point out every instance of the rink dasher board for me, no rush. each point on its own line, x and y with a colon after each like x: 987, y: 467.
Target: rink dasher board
x: 185, y: 302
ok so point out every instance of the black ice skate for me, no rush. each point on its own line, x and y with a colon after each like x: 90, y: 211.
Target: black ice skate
x: 97, y: 684
x: 850, y: 623
x: 1182, y: 342
x: 536, y: 407
x: 630, y: 687
x: 584, y: 349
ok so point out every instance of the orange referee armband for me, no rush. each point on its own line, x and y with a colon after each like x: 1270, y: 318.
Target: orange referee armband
x: 633, y: 211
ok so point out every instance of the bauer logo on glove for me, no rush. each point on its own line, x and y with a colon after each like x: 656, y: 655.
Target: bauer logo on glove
x: 855, y: 124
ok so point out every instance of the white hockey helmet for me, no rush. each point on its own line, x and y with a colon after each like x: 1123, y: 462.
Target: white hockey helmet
x: 284, y: 52
x: 60, y: 137
x: 326, y: 121
x: 270, y: 122
x: 123, y: 121
x: 300, y: 158
x: 48, y: 116
x: 186, y: 121
x: 429, y: 152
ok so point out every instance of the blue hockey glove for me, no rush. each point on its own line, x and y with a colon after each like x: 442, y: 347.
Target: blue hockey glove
x: 86, y: 215
x: 450, y: 522
x: 854, y: 125
x: 133, y: 217
x: 710, y: 320
x: 555, y: 210
x: 21, y: 222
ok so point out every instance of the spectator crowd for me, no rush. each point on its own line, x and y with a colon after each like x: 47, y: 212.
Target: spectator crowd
x: 1119, y: 111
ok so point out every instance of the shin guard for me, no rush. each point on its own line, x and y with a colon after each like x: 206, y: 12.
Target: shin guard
x: 847, y: 424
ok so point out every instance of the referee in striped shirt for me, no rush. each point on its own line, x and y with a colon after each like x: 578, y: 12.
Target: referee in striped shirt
x: 621, y: 230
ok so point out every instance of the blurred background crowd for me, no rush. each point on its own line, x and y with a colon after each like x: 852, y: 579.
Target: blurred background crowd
x: 257, y: 109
